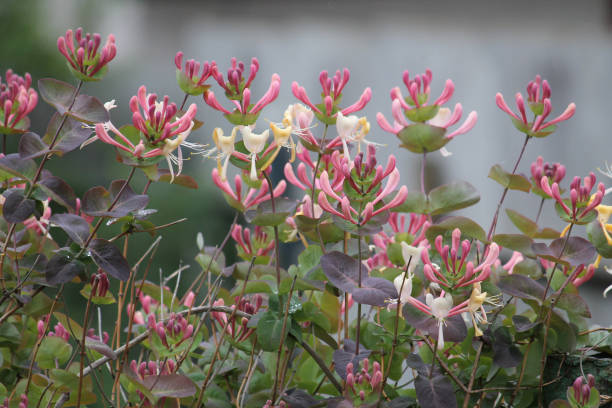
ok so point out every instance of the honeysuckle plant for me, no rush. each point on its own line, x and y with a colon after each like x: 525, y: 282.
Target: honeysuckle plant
x: 385, y: 297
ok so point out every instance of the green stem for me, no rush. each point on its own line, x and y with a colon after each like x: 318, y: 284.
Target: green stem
x: 276, y: 239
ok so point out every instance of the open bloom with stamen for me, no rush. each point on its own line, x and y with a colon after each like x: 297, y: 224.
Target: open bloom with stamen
x: 17, y: 100
x: 160, y: 131
x: 86, y: 59
x: 327, y: 110
x: 253, y: 196
x: 225, y: 145
x: 255, y: 144
x: 352, y: 129
x: 540, y: 105
x: 189, y: 78
x: 414, y: 115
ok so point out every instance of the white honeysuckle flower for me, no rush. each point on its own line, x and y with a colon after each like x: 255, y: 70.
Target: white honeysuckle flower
x: 609, y: 288
x: 346, y: 126
x: 405, y: 292
x: 441, y: 117
x: 110, y: 105
x: 255, y: 144
x: 412, y: 254
x: 225, y: 146
x: 440, y: 308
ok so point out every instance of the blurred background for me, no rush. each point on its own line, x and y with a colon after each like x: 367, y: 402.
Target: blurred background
x: 484, y: 46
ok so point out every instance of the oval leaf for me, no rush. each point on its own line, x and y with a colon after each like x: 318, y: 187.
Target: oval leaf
x: 109, y: 259
x: 468, y: 228
x: 269, y: 331
x: 31, y: 146
x: 521, y: 286
x: 577, y: 251
x: 435, y: 392
x: 14, y: 165
x: 170, y: 385
x: 61, y: 269
x: 17, y: 208
x: 59, y: 191
x: 453, y: 196
x: 73, y: 225
x: 508, y: 180
x: 71, y: 135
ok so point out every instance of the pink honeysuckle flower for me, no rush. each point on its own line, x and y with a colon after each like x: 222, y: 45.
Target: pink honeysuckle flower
x: 252, y: 198
x: 515, y: 259
x: 258, y: 244
x: 237, y: 89
x: 17, y: 100
x: 578, y: 277
x: 581, y: 200
x: 189, y: 78
x: 305, y: 172
x: 60, y: 331
x: 242, y: 332
x: 458, y: 271
x: 40, y: 225
x: 189, y: 299
x: 374, y: 191
x: 151, y: 368
x: 554, y: 172
x: 161, y: 131
x: 415, y: 109
x: 332, y: 92
x: 540, y: 106
x: 85, y: 58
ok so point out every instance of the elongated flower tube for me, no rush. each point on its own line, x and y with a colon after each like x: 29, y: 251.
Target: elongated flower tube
x: 366, y: 182
x: 327, y: 110
x: 305, y: 173
x: 457, y: 270
x: 248, y: 244
x: 580, y: 208
x: 253, y: 196
x: 86, y: 60
x: 422, y: 125
x: 189, y: 78
x: 540, y: 104
x: 160, y: 131
x: 17, y: 100
x: 237, y: 89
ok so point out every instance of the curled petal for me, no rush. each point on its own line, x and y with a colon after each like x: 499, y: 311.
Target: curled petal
x: 467, y: 125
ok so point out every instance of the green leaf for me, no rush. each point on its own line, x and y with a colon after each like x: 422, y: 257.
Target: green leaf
x: 98, y: 300
x: 515, y: 242
x: 309, y: 259
x: 508, y: 180
x: 597, y: 237
x: 64, y: 379
x: 423, y: 113
x: 269, y: 331
x: 13, y: 165
x: 453, y: 196
x: 422, y: 138
x: 416, y: 202
x: 53, y: 349
x: 264, y: 215
x: 529, y: 227
x: 181, y: 180
x: 468, y: 228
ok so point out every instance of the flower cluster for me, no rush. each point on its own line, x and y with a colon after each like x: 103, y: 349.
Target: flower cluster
x: 430, y: 120
x: 259, y: 243
x: 245, y: 305
x: 457, y: 270
x: 173, y: 331
x: 538, y: 98
x: 253, y: 196
x: 363, y: 181
x: 17, y: 100
x: 554, y: 173
x: 189, y: 78
x: 580, y: 391
x: 157, y: 130
x: 237, y: 89
x: 86, y: 59
x: 328, y: 109
x: 358, y: 383
x: 580, y: 207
